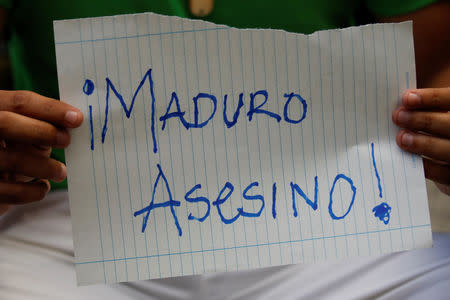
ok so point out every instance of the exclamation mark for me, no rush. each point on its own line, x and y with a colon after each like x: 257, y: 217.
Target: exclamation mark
x: 88, y: 89
x: 383, y: 210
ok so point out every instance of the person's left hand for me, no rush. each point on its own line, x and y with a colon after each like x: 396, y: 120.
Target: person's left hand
x: 425, y: 119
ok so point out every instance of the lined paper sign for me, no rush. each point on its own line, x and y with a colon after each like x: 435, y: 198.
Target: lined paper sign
x: 207, y: 148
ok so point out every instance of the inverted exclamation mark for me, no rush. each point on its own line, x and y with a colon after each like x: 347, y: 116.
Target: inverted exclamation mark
x: 88, y: 89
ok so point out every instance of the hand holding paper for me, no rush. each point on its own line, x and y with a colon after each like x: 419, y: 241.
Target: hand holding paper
x: 207, y: 148
x: 426, y: 111
x: 30, y: 125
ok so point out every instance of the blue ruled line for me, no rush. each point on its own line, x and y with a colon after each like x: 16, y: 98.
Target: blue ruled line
x: 146, y: 141
x: 125, y: 149
x: 313, y: 143
x: 260, y: 245
x: 168, y: 137
x: 376, y: 108
x: 248, y: 146
x: 402, y: 152
x: 214, y: 139
x: 225, y: 139
x: 259, y: 147
x: 137, y: 152
x: 181, y: 148
x: 138, y: 35
x: 237, y: 151
x: 148, y: 154
x: 203, y: 142
x: 367, y: 117
x: 170, y: 150
x: 389, y: 132
x: 279, y: 135
x: 323, y: 128
x: 104, y: 163
x: 303, y: 152
x: 334, y: 127
x: 92, y: 158
x: 356, y: 141
x: 286, y: 66
x: 268, y: 129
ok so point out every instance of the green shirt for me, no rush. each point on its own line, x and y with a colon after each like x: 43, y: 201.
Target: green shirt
x: 31, y: 43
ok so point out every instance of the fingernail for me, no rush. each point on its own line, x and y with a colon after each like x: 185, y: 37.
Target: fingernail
x: 61, y: 174
x: 71, y: 117
x: 413, y: 99
x: 403, y: 116
x: 42, y: 147
x: 407, y: 139
x: 62, y: 138
x: 48, y: 186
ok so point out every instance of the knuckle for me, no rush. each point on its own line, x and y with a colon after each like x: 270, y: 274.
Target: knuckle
x: 40, y: 193
x: 426, y: 122
x: 423, y: 144
x: 48, y: 107
x: 435, y: 97
x: 12, y: 162
x: 20, y: 100
x: 30, y: 193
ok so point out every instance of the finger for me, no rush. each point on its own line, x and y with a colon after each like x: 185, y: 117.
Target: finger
x: 429, y: 146
x: 4, y: 208
x: 21, y: 193
x: 3, y: 175
x: 40, y: 150
x: 31, y: 165
x: 434, y: 98
x: 42, y: 108
x: 436, y: 171
x: 31, y: 131
x: 437, y: 123
x: 443, y: 188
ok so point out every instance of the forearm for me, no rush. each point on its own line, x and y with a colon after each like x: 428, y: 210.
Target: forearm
x: 431, y: 27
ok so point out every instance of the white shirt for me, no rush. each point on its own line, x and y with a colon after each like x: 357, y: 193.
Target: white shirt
x: 36, y: 262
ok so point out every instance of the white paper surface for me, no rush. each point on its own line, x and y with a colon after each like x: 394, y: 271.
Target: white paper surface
x: 350, y: 80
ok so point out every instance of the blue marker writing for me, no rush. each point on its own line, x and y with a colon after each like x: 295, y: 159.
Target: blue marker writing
x: 236, y: 113
x: 171, y: 203
x: 195, y: 200
x: 376, y: 172
x: 274, y: 200
x: 251, y: 197
x: 295, y: 188
x: 213, y: 99
x: 330, y: 205
x: 258, y: 110
x: 128, y: 110
x: 91, y: 127
x: 286, y: 108
x: 178, y: 114
x: 88, y: 87
x: 382, y: 212
x: 221, y: 201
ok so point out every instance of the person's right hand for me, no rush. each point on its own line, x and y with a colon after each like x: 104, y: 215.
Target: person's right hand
x: 30, y: 124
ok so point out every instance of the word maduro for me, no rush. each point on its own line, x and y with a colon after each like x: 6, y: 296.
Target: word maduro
x: 257, y: 100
